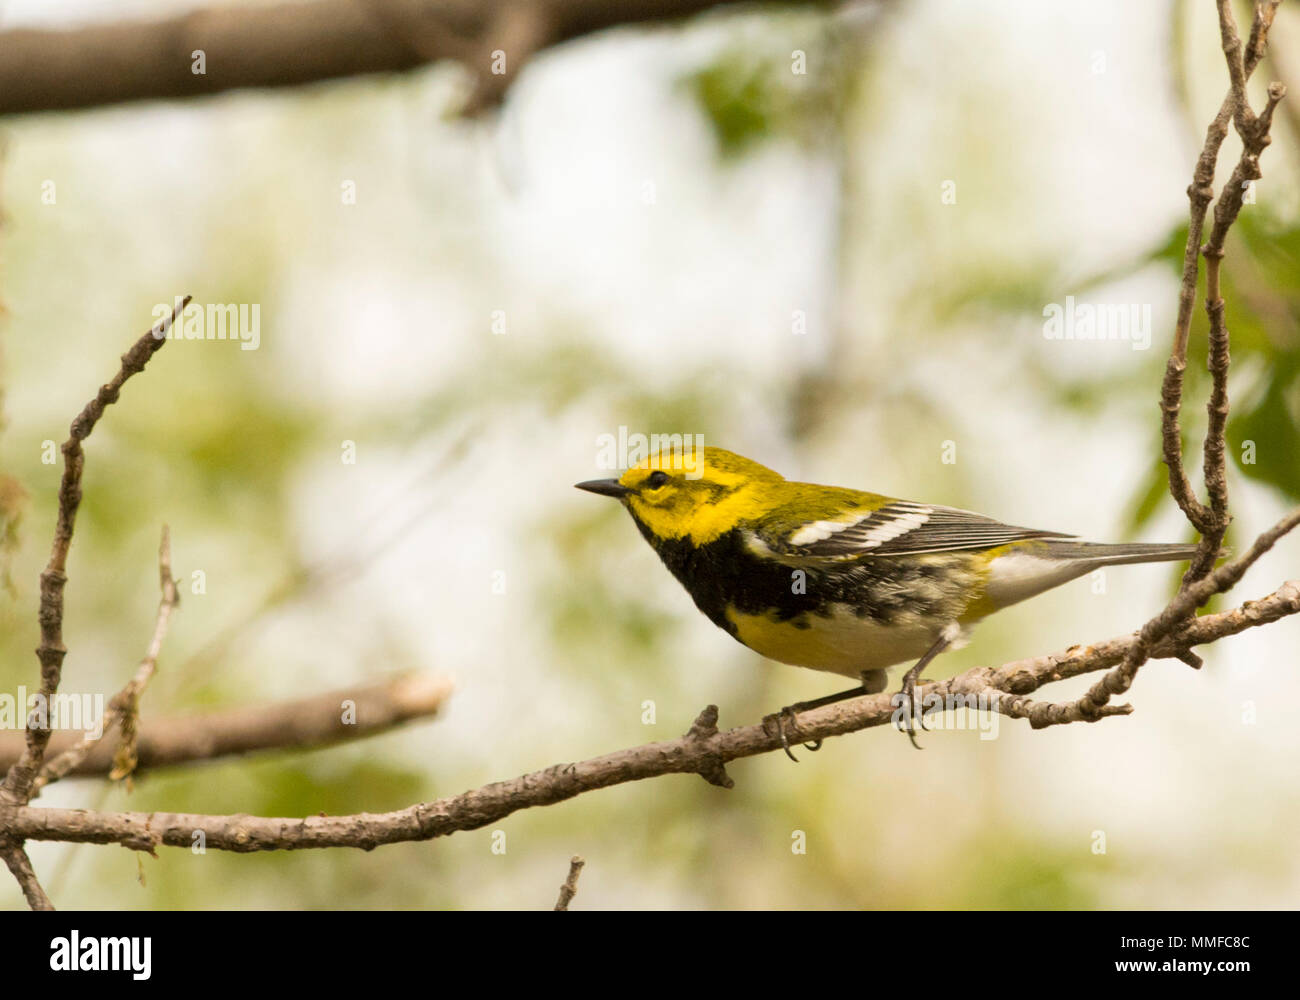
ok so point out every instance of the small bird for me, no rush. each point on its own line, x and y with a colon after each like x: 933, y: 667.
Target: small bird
x: 840, y: 580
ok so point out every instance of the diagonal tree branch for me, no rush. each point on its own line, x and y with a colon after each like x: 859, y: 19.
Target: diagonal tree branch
x: 21, y: 866
x: 17, y: 785
x: 1166, y: 624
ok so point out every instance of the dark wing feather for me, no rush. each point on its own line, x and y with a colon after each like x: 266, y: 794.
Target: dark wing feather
x: 903, y: 528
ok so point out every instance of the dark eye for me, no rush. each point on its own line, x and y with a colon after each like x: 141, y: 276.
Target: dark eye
x: 657, y: 479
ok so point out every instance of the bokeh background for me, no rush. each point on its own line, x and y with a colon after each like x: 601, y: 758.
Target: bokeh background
x: 649, y: 213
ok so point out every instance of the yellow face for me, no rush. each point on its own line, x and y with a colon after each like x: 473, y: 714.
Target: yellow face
x: 702, y: 500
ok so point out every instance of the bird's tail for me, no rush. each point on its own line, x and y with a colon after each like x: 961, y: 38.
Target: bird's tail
x: 1102, y: 554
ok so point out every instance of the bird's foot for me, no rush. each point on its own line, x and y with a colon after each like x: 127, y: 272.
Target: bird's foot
x: 912, y: 708
x: 950, y: 633
x: 788, y: 718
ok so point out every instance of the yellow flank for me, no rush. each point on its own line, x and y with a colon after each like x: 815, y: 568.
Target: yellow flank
x: 980, y: 605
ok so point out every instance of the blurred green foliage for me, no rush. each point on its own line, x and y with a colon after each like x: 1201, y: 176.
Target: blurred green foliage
x: 740, y: 100
x: 784, y: 81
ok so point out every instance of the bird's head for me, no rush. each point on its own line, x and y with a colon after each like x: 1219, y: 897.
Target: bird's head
x: 701, y: 494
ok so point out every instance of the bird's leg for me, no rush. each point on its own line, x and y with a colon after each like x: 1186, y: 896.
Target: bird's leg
x: 946, y: 639
x: 873, y: 682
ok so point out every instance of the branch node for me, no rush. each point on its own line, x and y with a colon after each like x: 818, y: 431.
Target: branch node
x: 705, y: 724
x: 703, y: 729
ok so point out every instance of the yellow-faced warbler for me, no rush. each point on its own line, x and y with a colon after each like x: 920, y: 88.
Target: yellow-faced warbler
x: 839, y: 580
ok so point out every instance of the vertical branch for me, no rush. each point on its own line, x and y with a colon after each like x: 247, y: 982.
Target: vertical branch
x: 1254, y: 132
x: 1211, y: 520
x: 1241, y: 64
x: 123, y: 708
x: 570, y: 887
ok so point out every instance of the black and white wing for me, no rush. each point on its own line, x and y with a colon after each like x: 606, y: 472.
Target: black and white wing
x: 899, y: 528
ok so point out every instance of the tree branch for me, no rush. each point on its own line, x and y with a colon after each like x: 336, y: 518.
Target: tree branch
x: 703, y: 750
x: 350, y: 713
x: 1199, y: 194
x: 291, y: 44
x: 1199, y: 583
x: 1166, y: 624
x: 21, y: 867
x: 570, y: 887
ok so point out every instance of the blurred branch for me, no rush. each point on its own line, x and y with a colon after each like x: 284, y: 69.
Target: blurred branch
x: 291, y: 44
x: 347, y: 714
x: 703, y: 750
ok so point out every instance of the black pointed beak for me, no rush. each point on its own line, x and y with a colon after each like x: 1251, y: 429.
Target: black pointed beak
x: 605, y: 487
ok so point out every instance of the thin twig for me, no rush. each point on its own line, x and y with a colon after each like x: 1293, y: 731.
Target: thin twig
x: 570, y: 887
x: 17, y: 785
x: 123, y: 707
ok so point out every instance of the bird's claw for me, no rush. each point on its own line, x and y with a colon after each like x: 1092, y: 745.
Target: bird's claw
x: 914, y: 710
x: 790, y: 713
